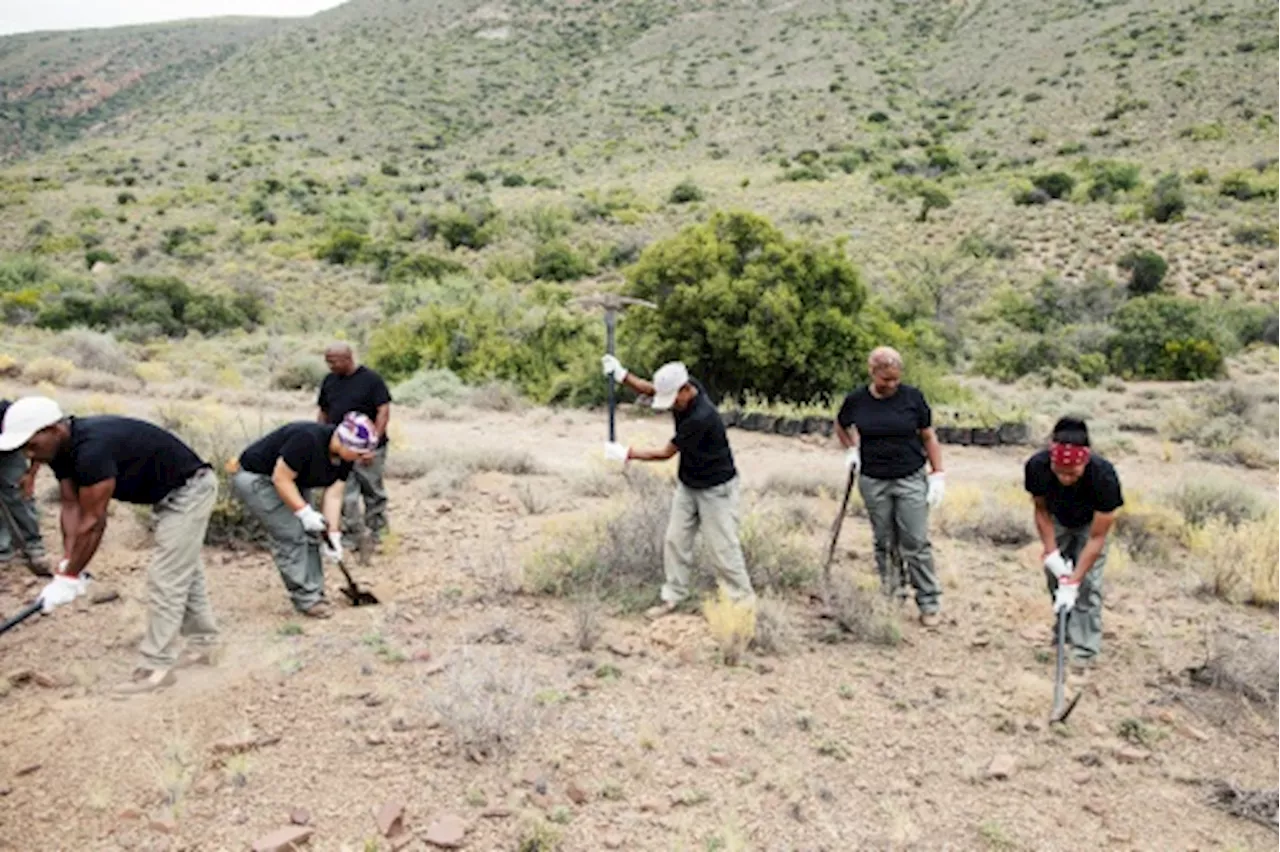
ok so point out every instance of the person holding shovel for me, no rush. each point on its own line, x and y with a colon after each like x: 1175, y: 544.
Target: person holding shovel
x: 351, y: 387
x: 1076, y: 494
x: 886, y: 428
x: 274, y: 478
x: 708, y: 492
x: 97, y: 459
x: 20, y: 526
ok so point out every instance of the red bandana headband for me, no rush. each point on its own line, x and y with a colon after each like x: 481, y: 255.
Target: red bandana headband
x: 1068, y: 455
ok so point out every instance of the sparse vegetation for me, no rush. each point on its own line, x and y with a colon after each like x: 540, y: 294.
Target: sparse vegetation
x: 732, y: 624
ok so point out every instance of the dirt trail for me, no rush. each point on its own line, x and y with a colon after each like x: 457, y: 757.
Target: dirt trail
x: 650, y: 745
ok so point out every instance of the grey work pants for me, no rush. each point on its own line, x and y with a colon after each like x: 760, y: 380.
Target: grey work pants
x: 714, y: 511
x: 23, y: 511
x: 365, y: 482
x: 1084, y: 621
x: 177, y: 601
x: 296, y: 554
x: 899, y: 516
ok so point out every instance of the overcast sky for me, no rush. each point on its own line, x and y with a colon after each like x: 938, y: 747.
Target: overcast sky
x: 20, y: 16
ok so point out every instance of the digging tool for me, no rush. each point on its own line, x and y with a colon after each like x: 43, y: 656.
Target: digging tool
x: 612, y: 303
x: 23, y: 614
x: 355, y: 594
x: 1061, y: 711
x: 835, y: 536
x: 19, y: 542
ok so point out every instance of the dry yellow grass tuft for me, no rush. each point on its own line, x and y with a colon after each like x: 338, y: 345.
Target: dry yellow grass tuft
x: 1150, y: 531
x: 733, y: 626
x: 1238, y: 562
x: 48, y: 369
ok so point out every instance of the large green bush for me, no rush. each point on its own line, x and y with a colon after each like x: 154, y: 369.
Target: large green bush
x: 1167, y: 202
x: 531, y: 339
x: 159, y: 305
x: 1165, y: 337
x: 1055, y: 184
x: 1146, y: 271
x: 1110, y: 177
x: 557, y: 261
x: 749, y: 310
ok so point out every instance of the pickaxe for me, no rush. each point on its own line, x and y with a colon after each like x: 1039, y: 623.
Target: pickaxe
x: 612, y: 303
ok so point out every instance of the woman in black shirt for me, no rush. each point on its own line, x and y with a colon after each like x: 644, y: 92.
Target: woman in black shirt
x: 887, y: 430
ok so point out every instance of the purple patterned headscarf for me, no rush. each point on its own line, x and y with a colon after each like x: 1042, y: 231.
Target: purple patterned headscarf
x: 356, y: 432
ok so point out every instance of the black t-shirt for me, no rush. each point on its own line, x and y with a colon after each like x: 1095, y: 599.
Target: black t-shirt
x: 1097, y: 490
x: 362, y: 391
x: 304, y: 446
x: 4, y: 406
x: 705, y: 458
x: 888, y: 430
x: 145, y: 461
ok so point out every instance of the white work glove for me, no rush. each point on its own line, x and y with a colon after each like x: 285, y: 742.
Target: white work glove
x: 937, y: 488
x: 613, y: 367
x: 312, y: 521
x: 853, y: 459
x: 62, y: 589
x: 1058, y: 566
x: 1065, y: 597
x: 331, y: 547
x: 613, y: 451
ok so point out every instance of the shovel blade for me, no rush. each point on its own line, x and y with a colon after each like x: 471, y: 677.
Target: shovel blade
x: 359, y: 597
x: 1060, y: 714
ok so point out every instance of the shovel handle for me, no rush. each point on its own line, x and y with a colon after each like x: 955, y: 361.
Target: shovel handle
x: 30, y: 610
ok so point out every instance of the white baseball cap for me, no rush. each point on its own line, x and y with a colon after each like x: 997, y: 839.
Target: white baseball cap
x: 26, y: 417
x: 667, y: 383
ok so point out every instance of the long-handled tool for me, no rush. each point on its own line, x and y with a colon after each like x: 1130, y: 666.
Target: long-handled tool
x: 355, y: 594
x: 612, y: 303
x: 23, y: 614
x: 835, y: 536
x: 1061, y: 711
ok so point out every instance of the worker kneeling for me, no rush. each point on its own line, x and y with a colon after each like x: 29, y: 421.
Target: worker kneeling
x: 276, y: 475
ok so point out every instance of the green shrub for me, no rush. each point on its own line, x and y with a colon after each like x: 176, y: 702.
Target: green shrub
x: 748, y: 309
x: 513, y: 180
x: 1246, y: 185
x: 428, y: 266
x: 1255, y: 235
x: 126, y: 198
x: 1146, y: 271
x: 1165, y: 337
x: 932, y: 198
x: 390, y: 170
x: 95, y: 256
x: 1167, y: 202
x: 557, y: 261
x: 1030, y: 195
x: 530, y: 339
x: 476, y: 176
x: 1111, y: 177
x: 472, y: 227
x: 685, y: 192
x: 1055, y: 184
x: 430, y: 384
x: 813, y: 172
x: 301, y: 372
x: 166, y: 305
x: 342, y: 248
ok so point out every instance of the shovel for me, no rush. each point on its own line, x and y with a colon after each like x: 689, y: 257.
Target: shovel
x: 23, y: 614
x: 835, y: 536
x: 1062, y: 711
x: 355, y: 594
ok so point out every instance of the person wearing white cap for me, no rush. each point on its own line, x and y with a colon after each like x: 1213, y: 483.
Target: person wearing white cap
x: 99, y: 458
x: 708, y: 492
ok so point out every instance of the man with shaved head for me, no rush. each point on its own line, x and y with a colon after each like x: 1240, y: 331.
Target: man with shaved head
x: 352, y: 388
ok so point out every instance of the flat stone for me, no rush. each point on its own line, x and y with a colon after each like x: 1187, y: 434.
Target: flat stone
x: 28, y: 769
x: 1128, y: 754
x: 300, y: 816
x: 447, y: 832
x: 1001, y: 767
x: 164, y: 825
x: 235, y: 745
x: 613, y: 840
x: 283, y: 839
x: 576, y: 794
x: 105, y: 596
x: 496, y: 813
x: 391, y: 818
x: 719, y: 759
x: 49, y: 681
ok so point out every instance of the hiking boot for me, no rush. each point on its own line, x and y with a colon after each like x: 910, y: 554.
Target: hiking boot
x: 146, y: 680
x: 663, y: 609
x: 40, y: 565
x: 930, y: 619
x: 319, y: 610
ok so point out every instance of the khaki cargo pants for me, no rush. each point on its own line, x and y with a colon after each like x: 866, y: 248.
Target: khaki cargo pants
x: 177, y: 603
x: 714, y: 512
